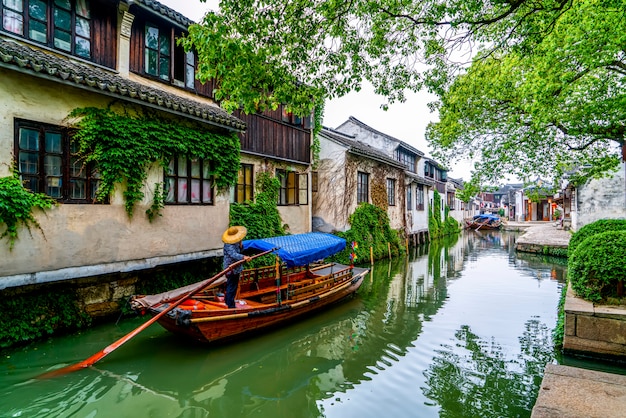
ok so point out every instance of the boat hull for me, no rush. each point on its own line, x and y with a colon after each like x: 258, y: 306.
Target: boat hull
x: 215, y: 325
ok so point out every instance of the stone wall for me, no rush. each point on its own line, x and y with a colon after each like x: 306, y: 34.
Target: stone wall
x: 594, y: 331
x: 601, y: 199
x: 106, y: 296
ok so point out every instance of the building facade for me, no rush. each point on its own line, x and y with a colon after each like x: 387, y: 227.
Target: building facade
x: 122, y: 55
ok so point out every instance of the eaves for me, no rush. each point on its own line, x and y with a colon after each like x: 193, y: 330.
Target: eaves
x: 37, y: 63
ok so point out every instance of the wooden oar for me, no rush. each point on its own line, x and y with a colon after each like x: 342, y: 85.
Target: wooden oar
x: 102, y: 353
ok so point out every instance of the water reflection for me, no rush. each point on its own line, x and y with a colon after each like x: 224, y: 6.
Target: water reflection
x: 461, y: 328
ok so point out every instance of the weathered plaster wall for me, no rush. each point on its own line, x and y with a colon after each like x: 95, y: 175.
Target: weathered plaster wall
x: 328, y: 201
x: 84, y: 239
x: 366, y: 136
x: 601, y: 199
x: 296, y: 217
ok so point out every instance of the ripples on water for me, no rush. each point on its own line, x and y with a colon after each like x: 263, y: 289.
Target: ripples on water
x: 462, y: 329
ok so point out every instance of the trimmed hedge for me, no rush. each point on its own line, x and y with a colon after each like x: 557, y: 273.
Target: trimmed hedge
x: 597, y: 265
x: 602, y: 225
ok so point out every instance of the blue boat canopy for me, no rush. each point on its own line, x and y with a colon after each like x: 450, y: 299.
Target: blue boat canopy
x: 486, y: 217
x: 299, y: 249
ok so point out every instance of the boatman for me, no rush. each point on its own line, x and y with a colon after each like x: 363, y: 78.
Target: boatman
x: 232, y: 253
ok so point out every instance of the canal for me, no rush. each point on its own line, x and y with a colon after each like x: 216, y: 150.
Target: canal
x: 461, y: 329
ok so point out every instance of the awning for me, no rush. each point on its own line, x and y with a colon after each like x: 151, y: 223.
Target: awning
x: 299, y: 249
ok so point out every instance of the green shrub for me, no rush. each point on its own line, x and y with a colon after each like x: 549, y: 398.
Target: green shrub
x: 369, y: 227
x: 602, y: 225
x: 597, y: 265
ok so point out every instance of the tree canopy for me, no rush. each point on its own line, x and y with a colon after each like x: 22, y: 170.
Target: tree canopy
x: 553, y: 110
x: 525, y: 86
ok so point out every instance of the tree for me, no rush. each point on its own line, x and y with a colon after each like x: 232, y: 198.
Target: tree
x: 544, y: 53
x: 561, y: 107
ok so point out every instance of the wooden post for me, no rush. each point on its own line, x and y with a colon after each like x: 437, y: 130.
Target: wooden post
x: 372, y: 255
x: 406, y: 244
x: 389, y: 249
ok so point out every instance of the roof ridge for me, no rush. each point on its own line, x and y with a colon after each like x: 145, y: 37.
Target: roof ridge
x: 62, y: 69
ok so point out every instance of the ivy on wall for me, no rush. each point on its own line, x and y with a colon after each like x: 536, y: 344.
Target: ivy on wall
x: 370, y: 228
x: 438, y: 227
x: 123, y: 146
x: 318, y: 117
x: 16, y: 207
x: 260, y: 217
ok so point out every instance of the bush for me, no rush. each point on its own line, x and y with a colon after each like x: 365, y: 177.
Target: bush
x: 597, y: 265
x: 603, y: 225
x: 369, y: 227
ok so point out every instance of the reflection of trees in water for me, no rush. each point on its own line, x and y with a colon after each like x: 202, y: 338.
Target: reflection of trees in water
x: 288, y: 372
x: 474, y: 378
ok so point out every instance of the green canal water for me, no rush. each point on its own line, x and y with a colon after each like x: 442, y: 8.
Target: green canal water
x: 460, y: 329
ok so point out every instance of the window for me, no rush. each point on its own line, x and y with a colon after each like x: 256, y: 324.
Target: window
x: 287, y: 194
x: 391, y: 192
x: 450, y: 199
x: 157, y: 53
x: 314, y: 181
x: 188, y: 181
x: 243, y: 191
x: 294, y: 188
x: 166, y: 60
x: 428, y: 170
x: 303, y: 189
x: 59, y: 24
x: 409, y: 197
x: 408, y: 159
x: 47, y: 163
x: 362, y: 187
x: 419, y: 199
x: 292, y: 119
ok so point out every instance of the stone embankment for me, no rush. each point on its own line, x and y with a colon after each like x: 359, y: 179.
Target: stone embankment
x: 569, y: 391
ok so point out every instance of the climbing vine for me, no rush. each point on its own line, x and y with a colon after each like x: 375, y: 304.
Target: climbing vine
x: 16, y: 206
x: 370, y: 228
x: 436, y: 226
x: 318, y: 117
x: 124, y: 145
x: 260, y: 217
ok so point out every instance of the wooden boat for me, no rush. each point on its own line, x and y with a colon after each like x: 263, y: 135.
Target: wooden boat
x: 483, y: 221
x: 267, y: 296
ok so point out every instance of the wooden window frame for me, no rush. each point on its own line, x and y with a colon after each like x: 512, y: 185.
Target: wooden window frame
x: 407, y: 159
x: 178, y: 176
x: 243, y: 191
x: 363, y: 187
x: 159, y: 52
x: 314, y: 181
x: 292, y: 119
x: 65, y: 176
x: 391, y: 192
x: 294, y: 188
x: 52, y: 26
x: 409, y: 196
x: 419, y: 197
x: 181, y: 67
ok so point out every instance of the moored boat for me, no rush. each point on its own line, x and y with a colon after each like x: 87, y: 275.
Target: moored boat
x: 268, y: 296
x: 483, y: 221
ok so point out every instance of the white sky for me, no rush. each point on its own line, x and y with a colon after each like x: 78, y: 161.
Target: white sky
x: 405, y: 121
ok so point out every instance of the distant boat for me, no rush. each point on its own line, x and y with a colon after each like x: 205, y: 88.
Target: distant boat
x: 268, y: 296
x: 484, y: 221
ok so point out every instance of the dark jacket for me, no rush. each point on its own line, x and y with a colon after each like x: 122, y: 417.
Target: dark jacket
x: 232, y: 254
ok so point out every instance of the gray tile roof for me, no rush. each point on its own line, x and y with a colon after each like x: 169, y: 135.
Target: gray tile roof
x: 359, y: 148
x: 38, y: 63
x: 398, y: 141
x: 163, y: 10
